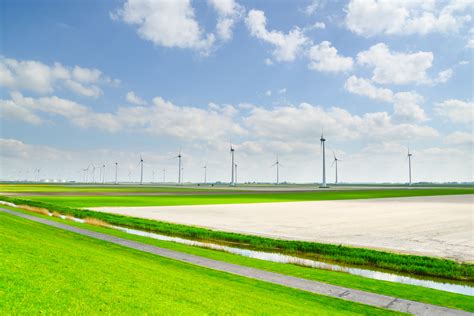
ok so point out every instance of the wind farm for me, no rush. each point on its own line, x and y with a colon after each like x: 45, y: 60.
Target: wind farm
x: 347, y: 127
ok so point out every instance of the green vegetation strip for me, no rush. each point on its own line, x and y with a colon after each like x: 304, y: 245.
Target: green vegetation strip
x: 203, y: 199
x: 51, y: 271
x: 409, y: 292
x: 419, y: 265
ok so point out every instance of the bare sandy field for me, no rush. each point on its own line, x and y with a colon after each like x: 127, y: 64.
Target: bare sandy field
x: 440, y: 226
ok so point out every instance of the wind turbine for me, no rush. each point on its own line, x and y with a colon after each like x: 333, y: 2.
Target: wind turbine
x: 277, y: 164
x: 116, y: 171
x: 323, y: 146
x: 335, y: 162
x: 164, y: 175
x: 409, y: 165
x: 93, y: 174
x: 103, y: 174
x: 235, y: 174
x: 141, y: 168
x: 179, y: 166
x: 232, y: 151
x: 205, y: 173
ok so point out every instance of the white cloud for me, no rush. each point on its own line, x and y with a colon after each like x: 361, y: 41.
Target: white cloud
x: 457, y: 111
x: 287, y: 46
x: 460, y: 138
x: 10, y: 110
x: 470, y: 39
x: 400, y: 68
x: 311, y: 8
x: 444, y: 76
x: 268, y: 93
x: 399, y: 17
x: 35, y: 76
x: 166, y: 23
x: 324, y: 57
x: 134, y: 99
x: 406, y: 105
x: 282, y: 91
x: 337, y: 122
x: 364, y: 87
x: 317, y: 25
x: 229, y: 12
x: 161, y: 118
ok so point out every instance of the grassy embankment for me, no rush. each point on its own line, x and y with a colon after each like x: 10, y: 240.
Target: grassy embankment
x: 404, y: 291
x: 203, y: 199
x: 419, y: 265
x: 48, y: 270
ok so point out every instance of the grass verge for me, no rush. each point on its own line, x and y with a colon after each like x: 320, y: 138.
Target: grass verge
x: 419, y: 265
x: 51, y: 271
x: 242, y: 197
x: 404, y: 291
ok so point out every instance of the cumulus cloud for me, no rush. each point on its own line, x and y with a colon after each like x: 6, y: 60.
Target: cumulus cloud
x: 398, y: 17
x: 161, y: 118
x: 364, y: 87
x: 460, y: 138
x: 134, y: 99
x: 324, y: 57
x: 457, y: 111
x: 406, y: 105
x: 229, y: 12
x: 166, y: 23
x: 337, y: 122
x: 286, y: 46
x: 397, y: 68
x: 38, y: 77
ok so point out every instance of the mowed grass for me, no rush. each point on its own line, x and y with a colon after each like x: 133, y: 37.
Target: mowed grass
x: 203, y: 199
x: 44, y: 188
x: 44, y: 270
x: 404, y: 291
x: 420, y: 265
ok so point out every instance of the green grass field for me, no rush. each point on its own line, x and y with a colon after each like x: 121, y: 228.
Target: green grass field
x: 409, y: 292
x: 45, y: 270
x: 202, y: 199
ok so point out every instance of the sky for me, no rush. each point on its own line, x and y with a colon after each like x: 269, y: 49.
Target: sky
x: 91, y: 83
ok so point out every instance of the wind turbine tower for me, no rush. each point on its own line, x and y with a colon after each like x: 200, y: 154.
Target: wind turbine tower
x: 179, y: 166
x: 409, y: 165
x: 335, y: 162
x: 103, y: 175
x: 323, y: 140
x: 205, y: 173
x: 235, y: 173
x: 116, y: 171
x: 141, y: 169
x: 277, y: 164
x: 164, y: 175
x: 232, y: 151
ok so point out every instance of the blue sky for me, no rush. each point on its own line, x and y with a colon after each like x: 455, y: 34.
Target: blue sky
x: 86, y: 82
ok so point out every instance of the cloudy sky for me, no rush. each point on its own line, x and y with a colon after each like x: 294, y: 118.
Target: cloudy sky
x: 96, y: 82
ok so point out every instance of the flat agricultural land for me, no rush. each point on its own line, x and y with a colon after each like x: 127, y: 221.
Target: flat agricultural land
x: 439, y: 226
x: 45, y: 270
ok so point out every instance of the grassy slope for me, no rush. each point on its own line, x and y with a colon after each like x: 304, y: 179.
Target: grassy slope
x: 408, y: 292
x: 349, y: 255
x: 46, y: 270
x: 95, y: 201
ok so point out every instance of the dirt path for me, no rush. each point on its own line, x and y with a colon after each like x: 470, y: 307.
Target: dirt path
x: 377, y: 300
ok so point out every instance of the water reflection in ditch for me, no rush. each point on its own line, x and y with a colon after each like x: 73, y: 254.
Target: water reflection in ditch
x: 282, y: 258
